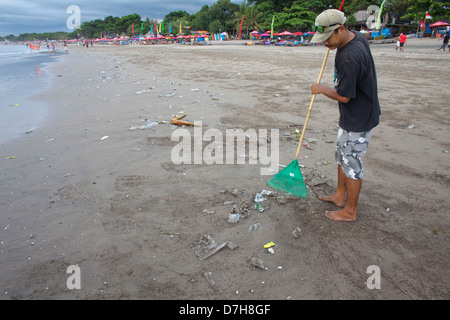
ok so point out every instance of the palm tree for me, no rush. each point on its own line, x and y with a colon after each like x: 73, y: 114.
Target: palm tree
x: 253, y: 17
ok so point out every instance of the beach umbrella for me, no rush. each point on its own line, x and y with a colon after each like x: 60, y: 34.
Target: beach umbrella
x: 285, y: 33
x: 439, y: 24
x: 298, y: 33
x: 255, y: 34
x: 266, y: 34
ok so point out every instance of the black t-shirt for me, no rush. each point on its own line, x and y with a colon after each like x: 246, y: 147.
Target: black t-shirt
x: 446, y: 37
x: 357, y: 79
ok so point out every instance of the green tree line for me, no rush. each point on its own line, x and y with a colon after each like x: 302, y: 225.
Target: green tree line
x: 223, y: 15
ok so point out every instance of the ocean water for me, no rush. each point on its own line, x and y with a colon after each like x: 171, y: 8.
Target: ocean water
x: 22, y: 74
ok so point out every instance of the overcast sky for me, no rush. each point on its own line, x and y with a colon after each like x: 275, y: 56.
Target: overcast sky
x: 27, y: 16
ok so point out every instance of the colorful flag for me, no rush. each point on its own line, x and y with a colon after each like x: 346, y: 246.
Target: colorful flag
x: 240, y: 28
x: 379, y: 16
x: 34, y: 47
x: 132, y: 28
x: 170, y: 27
x: 271, y: 27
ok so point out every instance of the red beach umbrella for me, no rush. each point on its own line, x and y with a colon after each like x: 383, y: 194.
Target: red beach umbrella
x: 439, y: 24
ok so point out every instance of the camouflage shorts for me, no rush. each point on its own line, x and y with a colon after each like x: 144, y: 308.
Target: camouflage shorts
x: 350, y: 148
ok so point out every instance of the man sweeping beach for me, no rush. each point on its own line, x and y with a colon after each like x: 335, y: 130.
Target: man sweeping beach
x: 356, y: 92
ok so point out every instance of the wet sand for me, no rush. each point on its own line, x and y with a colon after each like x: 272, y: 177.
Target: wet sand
x: 132, y: 219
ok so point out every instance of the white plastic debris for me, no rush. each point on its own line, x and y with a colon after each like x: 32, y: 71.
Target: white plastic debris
x: 149, y: 124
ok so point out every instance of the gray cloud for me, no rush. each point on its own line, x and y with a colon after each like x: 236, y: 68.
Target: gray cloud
x: 26, y: 16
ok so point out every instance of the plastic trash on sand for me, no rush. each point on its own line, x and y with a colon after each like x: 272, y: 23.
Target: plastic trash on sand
x: 254, y: 262
x: 238, y: 214
x: 269, y: 245
x: 259, y: 197
x: 269, y: 193
x: 258, y: 207
x: 207, y: 246
x: 212, y: 282
x: 149, y: 124
x: 234, y: 217
x: 254, y: 227
x: 297, y: 233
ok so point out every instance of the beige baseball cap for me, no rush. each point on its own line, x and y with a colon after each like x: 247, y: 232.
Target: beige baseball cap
x: 329, y: 20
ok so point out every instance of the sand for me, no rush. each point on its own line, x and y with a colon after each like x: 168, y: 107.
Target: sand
x: 132, y: 220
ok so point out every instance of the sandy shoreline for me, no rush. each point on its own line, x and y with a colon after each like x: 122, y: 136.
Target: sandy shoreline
x: 131, y: 219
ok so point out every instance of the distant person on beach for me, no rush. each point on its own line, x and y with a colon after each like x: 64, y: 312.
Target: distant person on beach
x: 398, y: 43
x: 356, y: 92
x: 445, y: 42
x: 402, y: 40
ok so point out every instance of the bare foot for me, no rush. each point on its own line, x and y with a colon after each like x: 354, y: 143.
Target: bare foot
x: 333, y: 199
x: 341, y: 215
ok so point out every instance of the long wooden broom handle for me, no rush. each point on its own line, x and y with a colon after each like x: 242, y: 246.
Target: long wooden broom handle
x: 311, y: 104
